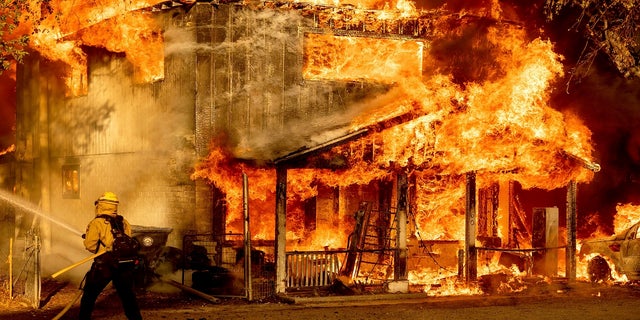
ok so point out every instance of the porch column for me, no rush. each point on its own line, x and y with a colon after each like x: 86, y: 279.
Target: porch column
x: 470, y: 253
x: 281, y: 229
x: 400, y: 265
x: 43, y: 162
x: 571, y: 231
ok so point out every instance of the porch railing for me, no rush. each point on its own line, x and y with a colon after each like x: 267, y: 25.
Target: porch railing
x: 312, y: 268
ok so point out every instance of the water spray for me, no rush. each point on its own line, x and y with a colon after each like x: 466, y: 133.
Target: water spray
x: 22, y: 204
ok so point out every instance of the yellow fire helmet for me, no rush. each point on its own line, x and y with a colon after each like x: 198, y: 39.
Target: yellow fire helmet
x: 108, y: 197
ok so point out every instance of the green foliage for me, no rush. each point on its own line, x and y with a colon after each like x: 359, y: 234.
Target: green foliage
x: 12, y: 14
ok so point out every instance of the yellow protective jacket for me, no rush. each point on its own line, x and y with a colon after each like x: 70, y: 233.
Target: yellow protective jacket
x: 99, y: 229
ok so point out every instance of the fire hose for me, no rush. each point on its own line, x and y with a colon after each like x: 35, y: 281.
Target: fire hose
x: 73, y: 301
x: 80, y: 291
x: 89, y: 258
x: 68, y: 306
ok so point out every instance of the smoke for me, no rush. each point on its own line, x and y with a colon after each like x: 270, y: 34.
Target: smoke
x: 161, y: 142
x: 272, y: 44
x: 299, y: 132
x: 262, y: 43
x: 180, y: 41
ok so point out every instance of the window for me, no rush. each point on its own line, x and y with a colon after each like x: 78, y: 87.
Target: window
x: 71, y: 181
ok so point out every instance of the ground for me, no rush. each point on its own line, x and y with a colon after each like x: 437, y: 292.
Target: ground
x: 577, y: 300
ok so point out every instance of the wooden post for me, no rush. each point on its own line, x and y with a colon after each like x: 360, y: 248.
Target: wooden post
x: 461, y: 264
x: 571, y: 231
x: 281, y: 229
x: 400, y: 264
x: 470, y: 256
x: 42, y: 162
x: 11, y: 268
x: 247, y: 238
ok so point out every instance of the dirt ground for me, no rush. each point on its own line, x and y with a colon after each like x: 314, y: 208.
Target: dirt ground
x: 577, y: 300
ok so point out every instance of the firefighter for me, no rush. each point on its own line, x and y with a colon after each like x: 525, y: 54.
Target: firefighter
x: 104, y: 269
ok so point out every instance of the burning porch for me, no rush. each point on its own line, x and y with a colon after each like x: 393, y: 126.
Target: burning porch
x: 415, y: 143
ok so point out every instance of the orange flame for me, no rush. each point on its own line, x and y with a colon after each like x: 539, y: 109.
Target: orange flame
x: 436, y: 129
x: 11, y: 148
x: 583, y: 264
x: 344, y: 58
x: 59, y: 28
x: 626, y: 215
x: 501, y: 128
x: 220, y: 169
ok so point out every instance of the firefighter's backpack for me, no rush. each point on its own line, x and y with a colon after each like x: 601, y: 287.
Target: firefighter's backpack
x: 125, y: 248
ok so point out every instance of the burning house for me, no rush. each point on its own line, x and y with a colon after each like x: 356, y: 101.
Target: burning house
x: 386, y: 146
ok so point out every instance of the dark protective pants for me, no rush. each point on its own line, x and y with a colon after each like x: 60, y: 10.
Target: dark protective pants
x: 98, y: 277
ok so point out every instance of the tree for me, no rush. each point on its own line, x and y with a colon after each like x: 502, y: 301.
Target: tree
x: 18, y: 19
x: 12, y: 44
x: 611, y: 27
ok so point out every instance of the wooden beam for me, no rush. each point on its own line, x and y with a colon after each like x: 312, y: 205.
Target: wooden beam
x: 571, y: 231
x: 247, y: 238
x: 281, y: 229
x: 470, y: 253
x: 400, y: 261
